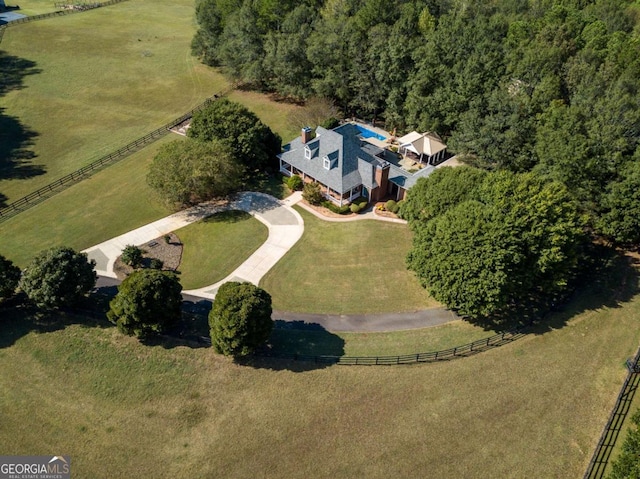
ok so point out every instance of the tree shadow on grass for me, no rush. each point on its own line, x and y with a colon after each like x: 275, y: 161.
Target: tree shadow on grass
x: 609, y: 279
x: 227, y: 217
x: 297, y: 346
x: 20, y: 318
x: 15, y: 155
x: 15, y: 138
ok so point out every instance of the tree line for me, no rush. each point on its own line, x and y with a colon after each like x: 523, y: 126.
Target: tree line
x: 545, y: 86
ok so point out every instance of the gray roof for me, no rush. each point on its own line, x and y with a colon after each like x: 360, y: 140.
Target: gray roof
x: 405, y: 179
x: 352, y: 160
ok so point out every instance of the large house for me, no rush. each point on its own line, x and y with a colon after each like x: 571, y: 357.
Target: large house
x: 351, y: 162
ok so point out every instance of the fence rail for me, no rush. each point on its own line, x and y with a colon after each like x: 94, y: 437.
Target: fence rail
x: 83, y: 7
x: 429, y: 357
x: 76, y: 176
x: 609, y: 436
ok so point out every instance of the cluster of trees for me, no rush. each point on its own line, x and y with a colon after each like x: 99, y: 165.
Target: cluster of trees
x: 551, y: 87
x: 488, y: 243
x: 55, y: 278
x: 227, y: 145
x: 149, y: 303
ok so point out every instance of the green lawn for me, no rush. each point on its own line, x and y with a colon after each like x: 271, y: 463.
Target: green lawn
x: 108, y: 204
x: 343, y: 268
x: 98, y: 80
x: 32, y: 7
x: 217, y: 245
x: 534, y: 408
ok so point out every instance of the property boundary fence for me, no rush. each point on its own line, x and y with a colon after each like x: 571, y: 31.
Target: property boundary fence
x: 83, y: 7
x: 430, y: 357
x: 74, y: 177
x: 602, y: 453
x: 465, y: 350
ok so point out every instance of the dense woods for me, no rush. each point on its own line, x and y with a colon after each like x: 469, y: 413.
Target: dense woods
x: 544, y: 86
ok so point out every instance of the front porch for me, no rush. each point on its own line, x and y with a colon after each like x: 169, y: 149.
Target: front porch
x: 329, y: 193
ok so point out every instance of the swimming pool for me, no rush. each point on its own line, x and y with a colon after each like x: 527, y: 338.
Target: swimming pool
x: 365, y: 133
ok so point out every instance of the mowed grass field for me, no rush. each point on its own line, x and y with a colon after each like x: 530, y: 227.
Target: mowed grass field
x: 393, y: 343
x: 33, y: 7
x: 343, y: 268
x: 533, y: 408
x: 217, y: 245
x: 108, y: 204
x: 98, y: 80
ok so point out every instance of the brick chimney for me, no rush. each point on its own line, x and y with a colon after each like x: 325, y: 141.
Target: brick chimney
x: 307, y: 134
x: 382, y: 178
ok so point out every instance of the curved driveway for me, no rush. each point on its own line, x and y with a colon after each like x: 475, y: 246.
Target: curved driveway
x: 284, y: 223
x: 285, y: 228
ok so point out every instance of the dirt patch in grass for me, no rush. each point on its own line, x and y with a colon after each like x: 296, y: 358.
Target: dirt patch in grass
x: 168, y: 250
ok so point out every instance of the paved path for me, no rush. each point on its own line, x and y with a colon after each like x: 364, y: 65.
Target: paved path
x: 285, y: 228
x: 284, y: 223
x: 362, y: 323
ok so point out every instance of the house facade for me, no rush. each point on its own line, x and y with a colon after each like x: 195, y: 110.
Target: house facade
x: 347, y: 165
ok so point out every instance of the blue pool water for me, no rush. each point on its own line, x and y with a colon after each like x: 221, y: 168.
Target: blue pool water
x: 365, y: 133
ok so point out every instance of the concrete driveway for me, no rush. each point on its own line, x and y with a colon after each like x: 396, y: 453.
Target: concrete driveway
x: 284, y: 223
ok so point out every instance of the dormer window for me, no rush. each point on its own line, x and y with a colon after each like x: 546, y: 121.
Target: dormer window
x: 307, y: 152
x: 326, y: 163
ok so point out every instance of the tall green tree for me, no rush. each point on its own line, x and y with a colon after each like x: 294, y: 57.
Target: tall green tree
x: 287, y: 67
x: 9, y: 278
x: 240, y: 319
x: 240, y: 130
x: 627, y: 464
x: 621, y: 218
x: 58, y: 277
x: 148, y: 303
x: 515, y: 240
x: 189, y: 172
x: 442, y: 190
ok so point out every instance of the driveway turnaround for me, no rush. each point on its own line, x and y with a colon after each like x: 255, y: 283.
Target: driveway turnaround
x: 285, y: 228
x: 284, y: 223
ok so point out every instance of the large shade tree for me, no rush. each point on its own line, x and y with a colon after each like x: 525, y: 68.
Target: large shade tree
x: 148, y: 302
x: 240, y: 319
x: 58, y: 277
x: 250, y: 140
x: 515, y: 241
x: 9, y: 278
x: 189, y: 172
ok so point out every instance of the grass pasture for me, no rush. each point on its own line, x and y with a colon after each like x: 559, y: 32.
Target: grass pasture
x: 32, y: 7
x: 84, y: 85
x: 320, y: 342
x: 110, y: 203
x: 533, y: 408
x: 343, y: 268
x: 217, y: 245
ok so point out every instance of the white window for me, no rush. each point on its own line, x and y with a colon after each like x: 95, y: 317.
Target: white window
x: 307, y: 152
x: 327, y: 163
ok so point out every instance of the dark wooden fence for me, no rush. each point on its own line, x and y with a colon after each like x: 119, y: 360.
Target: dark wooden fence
x: 602, y: 454
x: 444, y: 355
x: 82, y: 8
x: 74, y: 177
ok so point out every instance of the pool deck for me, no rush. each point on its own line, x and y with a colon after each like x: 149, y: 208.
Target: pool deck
x: 379, y: 131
